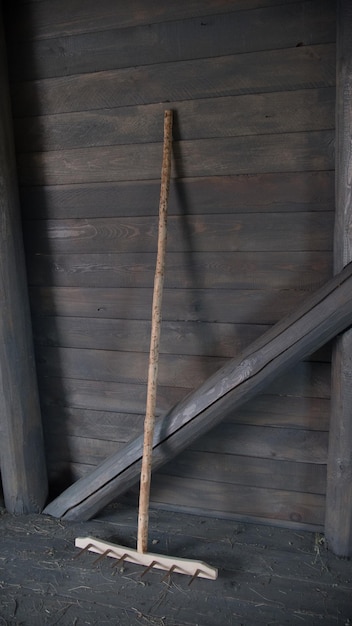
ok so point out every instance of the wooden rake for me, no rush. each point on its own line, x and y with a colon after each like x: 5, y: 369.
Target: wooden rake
x: 140, y: 556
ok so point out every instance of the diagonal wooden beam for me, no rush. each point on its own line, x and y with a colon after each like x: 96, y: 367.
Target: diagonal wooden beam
x: 324, y: 314
x: 338, y: 522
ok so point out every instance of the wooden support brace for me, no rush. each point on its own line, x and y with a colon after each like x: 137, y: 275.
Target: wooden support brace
x: 324, y: 314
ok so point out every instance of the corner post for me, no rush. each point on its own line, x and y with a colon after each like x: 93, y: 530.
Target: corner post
x: 22, y: 457
x: 338, y: 523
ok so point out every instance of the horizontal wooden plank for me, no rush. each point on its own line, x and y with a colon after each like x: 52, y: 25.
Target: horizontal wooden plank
x: 237, y: 306
x: 286, y: 411
x: 254, y: 114
x: 230, y: 270
x: 103, y: 425
x: 202, y: 233
x: 275, y: 411
x: 264, y: 442
x: 223, y: 468
x: 186, y: 371
x: 204, y: 157
x: 192, y: 337
x: 279, y: 192
x: 105, y: 396
x: 247, y: 470
x: 124, y: 367
x: 281, y: 444
x: 215, y: 35
x: 186, y: 337
x: 303, y: 67
x: 242, y: 500
x: 67, y: 449
x: 52, y: 18
x: 308, y: 380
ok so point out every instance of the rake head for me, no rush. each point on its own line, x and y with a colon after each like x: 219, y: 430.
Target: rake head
x: 148, y: 560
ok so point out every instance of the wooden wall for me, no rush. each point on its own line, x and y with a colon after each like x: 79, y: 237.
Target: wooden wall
x: 252, y: 85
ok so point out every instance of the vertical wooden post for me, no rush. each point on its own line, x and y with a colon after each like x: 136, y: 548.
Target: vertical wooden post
x: 22, y: 458
x: 338, y: 524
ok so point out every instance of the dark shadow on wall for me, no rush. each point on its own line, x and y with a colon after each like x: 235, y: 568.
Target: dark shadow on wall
x: 19, y: 24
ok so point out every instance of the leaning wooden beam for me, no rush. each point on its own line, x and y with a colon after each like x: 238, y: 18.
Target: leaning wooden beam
x: 319, y: 319
x: 23, y: 468
x: 338, y: 523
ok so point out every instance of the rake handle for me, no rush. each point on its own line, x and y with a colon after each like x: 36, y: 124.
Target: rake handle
x: 146, y: 470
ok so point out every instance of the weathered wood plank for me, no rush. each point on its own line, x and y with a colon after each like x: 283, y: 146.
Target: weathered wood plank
x: 203, y: 157
x: 202, y: 338
x: 322, y: 316
x: 104, y: 425
x: 129, y: 367
x: 203, y: 233
x: 231, y: 270
x: 52, y: 18
x: 251, y: 502
x: 264, y: 442
x: 234, y: 306
x: 286, y: 411
x: 236, y: 470
x: 303, y: 67
x: 305, y: 383
x: 281, y: 444
x: 23, y: 469
x: 105, y: 396
x: 282, y: 411
x: 288, y: 191
x: 186, y: 371
x: 160, y: 42
x: 247, y: 470
x: 294, y: 474
x: 339, y: 492
x: 306, y: 380
x: 254, y: 114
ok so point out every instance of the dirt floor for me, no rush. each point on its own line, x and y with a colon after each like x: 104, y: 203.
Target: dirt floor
x: 267, y: 576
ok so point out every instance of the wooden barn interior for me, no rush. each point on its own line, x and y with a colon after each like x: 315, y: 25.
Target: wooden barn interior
x: 259, y: 219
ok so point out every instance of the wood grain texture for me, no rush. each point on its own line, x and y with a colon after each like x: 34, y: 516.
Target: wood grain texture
x: 249, y: 501
x: 282, y: 444
x: 52, y: 18
x: 303, y: 67
x: 204, y: 157
x: 248, y: 470
x: 232, y: 270
x: 279, y: 192
x: 268, y: 113
x: 307, y: 413
x: 232, y: 468
x: 339, y: 490
x: 252, y: 88
x: 189, y: 337
x: 23, y: 468
x: 175, y: 40
x: 231, y: 386
x: 190, y: 234
x: 238, y: 306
